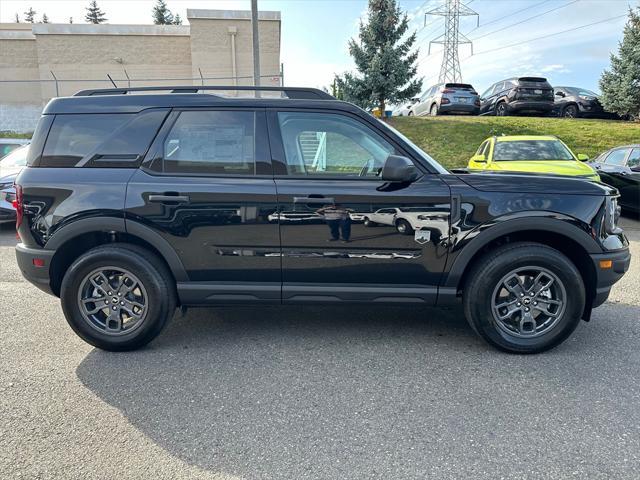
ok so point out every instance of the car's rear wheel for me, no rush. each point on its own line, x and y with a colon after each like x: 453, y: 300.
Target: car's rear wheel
x: 118, y: 297
x: 570, y: 111
x: 404, y: 227
x: 501, y: 109
x: 434, y: 110
x: 524, y: 297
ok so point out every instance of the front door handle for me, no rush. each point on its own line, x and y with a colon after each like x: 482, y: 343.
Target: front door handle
x: 169, y: 198
x: 321, y: 200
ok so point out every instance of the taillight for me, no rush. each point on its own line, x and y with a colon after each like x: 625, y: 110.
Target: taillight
x: 477, y: 102
x: 444, y: 101
x: 448, y: 90
x: 17, y: 204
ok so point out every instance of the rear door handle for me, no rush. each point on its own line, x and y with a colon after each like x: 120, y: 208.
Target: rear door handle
x: 169, y: 198
x: 322, y: 200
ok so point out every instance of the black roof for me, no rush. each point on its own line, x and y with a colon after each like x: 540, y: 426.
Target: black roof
x: 133, y: 100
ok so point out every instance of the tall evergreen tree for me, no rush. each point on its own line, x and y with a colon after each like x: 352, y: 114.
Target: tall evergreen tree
x: 45, y: 19
x: 387, y: 69
x: 30, y: 15
x: 177, y: 20
x: 161, y: 13
x: 17, y: 18
x: 621, y: 84
x: 94, y: 14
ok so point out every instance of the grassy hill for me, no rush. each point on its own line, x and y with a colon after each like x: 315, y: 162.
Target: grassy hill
x: 453, y: 140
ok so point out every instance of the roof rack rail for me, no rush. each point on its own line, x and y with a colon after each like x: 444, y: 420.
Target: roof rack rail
x: 290, y: 92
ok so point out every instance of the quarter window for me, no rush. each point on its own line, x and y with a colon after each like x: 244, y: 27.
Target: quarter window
x: 634, y: 158
x: 331, y: 144
x: 211, y: 142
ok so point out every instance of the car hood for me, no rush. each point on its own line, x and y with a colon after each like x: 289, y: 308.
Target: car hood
x: 556, y: 167
x: 497, y: 181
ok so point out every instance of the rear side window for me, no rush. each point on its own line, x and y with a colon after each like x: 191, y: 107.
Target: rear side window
x: 617, y: 157
x: 73, y: 136
x: 211, y: 142
x: 98, y: 140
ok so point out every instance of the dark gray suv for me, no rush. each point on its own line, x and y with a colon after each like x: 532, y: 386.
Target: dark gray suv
x: 533, y: 95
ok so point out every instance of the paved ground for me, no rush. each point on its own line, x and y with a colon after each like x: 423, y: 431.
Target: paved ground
x: 295, y: 393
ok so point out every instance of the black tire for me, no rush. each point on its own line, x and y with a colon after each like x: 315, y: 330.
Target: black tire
x: 433, y: 111
x: 485, y: 279
x: 369, y: 223
x: 154, y: 277
x: 571, y: 111
x: 403, y: 227
x: 502, y: 110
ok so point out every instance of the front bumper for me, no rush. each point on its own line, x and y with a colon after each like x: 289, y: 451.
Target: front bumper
x: 27, y: 258
x: 606, y: 277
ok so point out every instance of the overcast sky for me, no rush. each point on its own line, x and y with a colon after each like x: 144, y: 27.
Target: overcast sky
x: 315, y: 34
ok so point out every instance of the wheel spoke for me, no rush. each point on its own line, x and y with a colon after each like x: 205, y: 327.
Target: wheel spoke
x: 114, y: 322
x: 527, y: 324
x: 542, y: 282
x: 543, y: 306
x: 514, y: 285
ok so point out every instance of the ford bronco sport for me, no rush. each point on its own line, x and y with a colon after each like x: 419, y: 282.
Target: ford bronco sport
x: 137, y: 201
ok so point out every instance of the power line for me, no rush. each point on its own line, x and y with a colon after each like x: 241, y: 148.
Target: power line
x: 526, y: 20
x: 549, y: 35
x: 510, y: 15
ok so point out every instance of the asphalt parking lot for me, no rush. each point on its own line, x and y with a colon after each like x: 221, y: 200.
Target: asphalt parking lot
x: 344, y: 393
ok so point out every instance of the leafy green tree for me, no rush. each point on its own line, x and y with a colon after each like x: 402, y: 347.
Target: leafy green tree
x: 45, y: 19
x: 161, y: 14
x: 30, y: 15
x: 386, y: 66
x: 94, y: 14
x: 621, y: 84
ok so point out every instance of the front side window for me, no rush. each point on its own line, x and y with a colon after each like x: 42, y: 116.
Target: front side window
x: 211, y: 142
x: 617, y: 157
x: 531, y: 150
x: 499, y: 87
x: 488, y: 92
x: 331, y: 144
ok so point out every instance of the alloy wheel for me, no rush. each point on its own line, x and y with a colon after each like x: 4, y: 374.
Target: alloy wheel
x: 113, y: 300
x: 528, y: 302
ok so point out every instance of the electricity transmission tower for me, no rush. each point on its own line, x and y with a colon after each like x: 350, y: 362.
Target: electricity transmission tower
x: 452, y: 10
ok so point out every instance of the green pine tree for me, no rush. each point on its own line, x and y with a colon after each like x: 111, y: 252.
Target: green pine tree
x: 17, y: 18
x: 621, y: 84
x: 30, y: 15
x: 387, y: 69
x: 45, y: 19
x: 177, y: 20
x: 161, y: 14
x: 94, y: 14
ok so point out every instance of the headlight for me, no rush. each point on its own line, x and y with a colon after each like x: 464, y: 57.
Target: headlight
x: 586, y: 97
x: 611, y: 215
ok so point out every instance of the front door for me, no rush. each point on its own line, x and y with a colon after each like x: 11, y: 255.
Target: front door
x: 346, y: 235
x: 207, y: 188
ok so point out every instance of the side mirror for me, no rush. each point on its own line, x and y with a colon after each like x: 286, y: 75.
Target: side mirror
x: 583, y: 158
x: 635, y: 168
x: 559, y: 94
x: 480, y: 158
x: 399, y: 169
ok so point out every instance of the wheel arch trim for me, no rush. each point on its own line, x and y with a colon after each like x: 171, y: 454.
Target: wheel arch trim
x: 119, y: 225
x: 470, y: 248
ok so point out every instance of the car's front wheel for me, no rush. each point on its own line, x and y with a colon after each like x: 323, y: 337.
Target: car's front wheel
x: 368, y: 223
x: 118, y: 297
x: 524, y: 297
x: 570, y: 111
x: 501, y: 110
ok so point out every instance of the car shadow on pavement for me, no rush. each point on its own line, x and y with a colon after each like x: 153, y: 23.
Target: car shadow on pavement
x: 327, y: 392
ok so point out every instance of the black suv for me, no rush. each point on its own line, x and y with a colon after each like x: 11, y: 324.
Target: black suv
x: 134, y: 204
x: 529, y: 95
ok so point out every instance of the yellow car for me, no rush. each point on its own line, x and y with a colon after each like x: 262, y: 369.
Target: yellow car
x: 532, y: 154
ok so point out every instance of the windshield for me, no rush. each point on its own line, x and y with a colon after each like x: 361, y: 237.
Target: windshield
x: 531, y: 150
x: 17, y: 158
x: 439, y: 168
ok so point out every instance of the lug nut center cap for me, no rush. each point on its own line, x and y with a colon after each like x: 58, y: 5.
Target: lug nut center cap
x: 526, y: 300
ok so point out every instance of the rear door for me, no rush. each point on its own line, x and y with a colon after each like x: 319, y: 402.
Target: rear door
x: 207, y: 188
x: 487, y: 100
x: 326, y: 164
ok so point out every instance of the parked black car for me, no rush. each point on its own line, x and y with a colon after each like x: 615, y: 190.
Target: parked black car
x: 526, y: 95
x: 132, y: 205
x: 620, y: 168
x: 574, y: 102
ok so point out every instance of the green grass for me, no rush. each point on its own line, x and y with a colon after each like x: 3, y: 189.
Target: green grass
x: 453, y: 140
x: 7, y: 134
